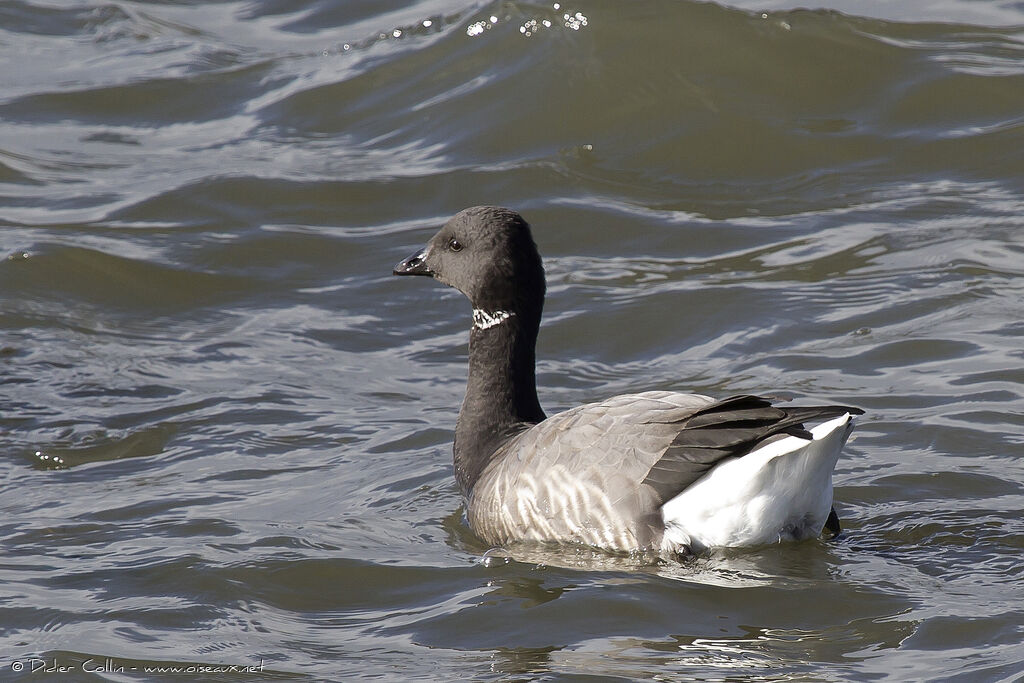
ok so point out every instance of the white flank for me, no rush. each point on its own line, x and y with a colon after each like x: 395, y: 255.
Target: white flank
x: 483, y: 320
x: 781, y: 491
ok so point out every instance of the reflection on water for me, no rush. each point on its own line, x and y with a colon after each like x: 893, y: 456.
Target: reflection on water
x: 228, y: 430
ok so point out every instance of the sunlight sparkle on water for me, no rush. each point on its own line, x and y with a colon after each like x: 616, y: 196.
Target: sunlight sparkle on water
x: 532, y: 26
x: 575, y: 21
x: 56, y: 459
x: 478, y: 27
x: 571, y: 20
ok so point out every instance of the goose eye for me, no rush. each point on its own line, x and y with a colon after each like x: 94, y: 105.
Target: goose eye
x: 454, y: 244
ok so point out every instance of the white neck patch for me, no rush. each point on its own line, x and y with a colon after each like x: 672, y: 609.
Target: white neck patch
x: 483, y: 320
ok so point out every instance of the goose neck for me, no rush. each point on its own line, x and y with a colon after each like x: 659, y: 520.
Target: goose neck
x: 501, y: 390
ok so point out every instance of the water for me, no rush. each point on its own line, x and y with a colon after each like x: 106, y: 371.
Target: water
x: 226, y: 428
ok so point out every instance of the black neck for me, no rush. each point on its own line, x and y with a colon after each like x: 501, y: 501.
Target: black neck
x: 501, y: 392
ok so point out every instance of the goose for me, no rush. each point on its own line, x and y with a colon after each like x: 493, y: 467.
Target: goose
x: 662, y: 472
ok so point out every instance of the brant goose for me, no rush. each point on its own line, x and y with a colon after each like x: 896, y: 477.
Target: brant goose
x: 657, y: 471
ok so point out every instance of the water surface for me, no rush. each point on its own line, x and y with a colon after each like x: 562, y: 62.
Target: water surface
x: 226, y: 428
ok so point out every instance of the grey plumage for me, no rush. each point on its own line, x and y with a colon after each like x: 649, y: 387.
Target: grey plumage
x: 536, y: 483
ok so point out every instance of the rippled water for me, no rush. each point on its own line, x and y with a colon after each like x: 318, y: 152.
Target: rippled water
x: 226, y: 428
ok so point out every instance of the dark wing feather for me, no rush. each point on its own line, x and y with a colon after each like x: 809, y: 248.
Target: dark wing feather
x: 728, y: 428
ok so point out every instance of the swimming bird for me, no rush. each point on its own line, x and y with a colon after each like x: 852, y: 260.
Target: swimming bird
x: 658, y: 471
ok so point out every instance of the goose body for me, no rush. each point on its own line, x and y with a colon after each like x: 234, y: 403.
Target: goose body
x: 658, y: 471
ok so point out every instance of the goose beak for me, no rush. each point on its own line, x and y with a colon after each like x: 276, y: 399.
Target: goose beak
x: 414, y: 265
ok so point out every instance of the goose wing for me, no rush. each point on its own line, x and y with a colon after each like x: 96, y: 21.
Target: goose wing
x: 731, y: 427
